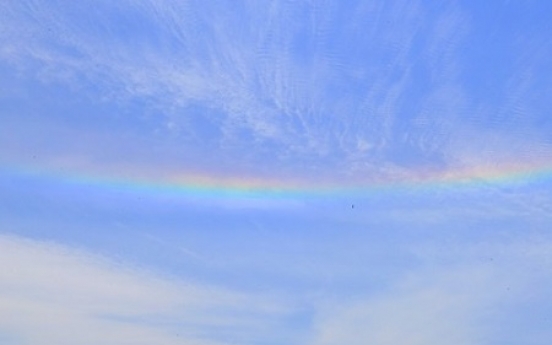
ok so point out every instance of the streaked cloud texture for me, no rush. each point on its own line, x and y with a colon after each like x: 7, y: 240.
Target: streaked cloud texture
x: 275, y: 172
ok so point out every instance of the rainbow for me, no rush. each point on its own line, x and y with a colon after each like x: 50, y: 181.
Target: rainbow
x: 200, y: 185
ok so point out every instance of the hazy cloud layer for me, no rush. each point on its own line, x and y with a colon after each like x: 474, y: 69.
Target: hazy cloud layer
x: 461, y: 294
x: 55, y: 295
x: 275, y: 172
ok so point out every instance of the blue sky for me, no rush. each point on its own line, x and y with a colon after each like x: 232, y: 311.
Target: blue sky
x: 275, y: 172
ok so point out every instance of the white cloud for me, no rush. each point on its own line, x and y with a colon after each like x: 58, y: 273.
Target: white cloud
x: 460, y: 294
x: 50, y: 294
x: 313, y: 87
x: 439, y: 311
x: 271, y: 72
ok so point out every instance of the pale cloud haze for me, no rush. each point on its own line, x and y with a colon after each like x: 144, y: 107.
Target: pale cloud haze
x: 275, y: 172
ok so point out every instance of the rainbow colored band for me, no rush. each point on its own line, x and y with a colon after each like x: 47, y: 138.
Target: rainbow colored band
x: 209, y: 186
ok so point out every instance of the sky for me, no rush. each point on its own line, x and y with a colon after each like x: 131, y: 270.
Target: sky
x: 275, y: 172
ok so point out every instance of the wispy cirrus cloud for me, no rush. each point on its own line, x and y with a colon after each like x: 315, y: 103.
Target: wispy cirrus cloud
x: 297, y: 80
x: 365, y: 90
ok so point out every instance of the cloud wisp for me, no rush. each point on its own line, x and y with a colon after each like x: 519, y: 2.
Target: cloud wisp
x: 298, y: 80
